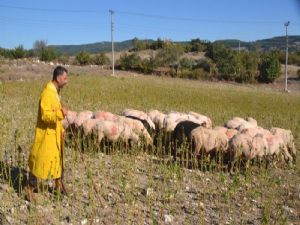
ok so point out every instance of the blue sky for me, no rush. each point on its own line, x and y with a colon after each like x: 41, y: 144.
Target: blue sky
x: 80, y: 22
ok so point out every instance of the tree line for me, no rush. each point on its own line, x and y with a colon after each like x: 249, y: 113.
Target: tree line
x: 219, y: 63
x: 48, y: 54
x: 168, y: 58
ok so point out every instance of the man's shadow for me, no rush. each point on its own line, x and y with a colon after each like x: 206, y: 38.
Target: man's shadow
x: 15, y: 176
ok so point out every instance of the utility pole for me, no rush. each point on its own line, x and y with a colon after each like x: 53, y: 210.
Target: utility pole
x: 112, y: 40
x: 286, y: 54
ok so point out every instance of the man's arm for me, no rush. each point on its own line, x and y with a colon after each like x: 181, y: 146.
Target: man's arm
x: 64, y: 110
x: 49, y: 114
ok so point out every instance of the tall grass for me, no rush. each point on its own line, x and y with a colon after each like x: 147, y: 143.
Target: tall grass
x: 139, y: 187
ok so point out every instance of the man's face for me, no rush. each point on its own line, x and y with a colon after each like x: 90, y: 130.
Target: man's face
x: 62, y: 80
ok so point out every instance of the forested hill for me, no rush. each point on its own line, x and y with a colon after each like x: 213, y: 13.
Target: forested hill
x: 264, y: 44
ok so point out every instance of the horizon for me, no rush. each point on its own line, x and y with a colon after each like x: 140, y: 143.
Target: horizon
x: 99, y: 42
x: 78, y: 23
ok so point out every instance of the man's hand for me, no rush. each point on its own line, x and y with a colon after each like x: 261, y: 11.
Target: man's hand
x: 64, y: 111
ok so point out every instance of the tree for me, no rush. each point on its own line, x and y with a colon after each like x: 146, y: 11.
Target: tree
x: 210, y: 50
x: 197, y: 45
x: 18, y: 52
x: 135, y: 62
x: 39, y: 46
x: 83, y: 58
x: 226, y: 61
x: 248, y: 66
x: 148, y: 65
x: 44, y: 52
x: 5, y: 53
x: 269, y: 67
x: 139, y: 45
x: 170, y: 54
x: 158, y: 44
x: 129, y: 62
x: 101, y: 59
x: 47, y: 54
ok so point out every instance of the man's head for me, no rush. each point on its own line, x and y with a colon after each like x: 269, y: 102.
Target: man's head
x: 60, y: 76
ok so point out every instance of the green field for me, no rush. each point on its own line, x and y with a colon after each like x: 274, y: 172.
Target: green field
x: 139, y: 188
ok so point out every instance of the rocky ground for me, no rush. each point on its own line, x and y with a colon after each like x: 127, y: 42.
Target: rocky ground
x: 141, y: 189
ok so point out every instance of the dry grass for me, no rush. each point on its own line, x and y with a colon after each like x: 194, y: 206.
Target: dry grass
x: 139, y: 187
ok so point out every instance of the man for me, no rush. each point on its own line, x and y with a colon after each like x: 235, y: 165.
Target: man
x: 46, y: 156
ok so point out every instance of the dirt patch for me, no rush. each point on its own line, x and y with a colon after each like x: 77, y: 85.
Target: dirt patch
x: 33, y: 70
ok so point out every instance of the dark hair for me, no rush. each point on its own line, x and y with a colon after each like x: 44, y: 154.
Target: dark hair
x: 58, y: 71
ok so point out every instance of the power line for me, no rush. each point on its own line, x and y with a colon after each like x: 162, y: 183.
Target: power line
x: 44, y: 26
x: 194, y: 19
x: 52, y: 10
x: 42, y: 21
x: 154, y: 16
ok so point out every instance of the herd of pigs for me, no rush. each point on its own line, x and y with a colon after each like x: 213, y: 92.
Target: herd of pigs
x: 239, y: 138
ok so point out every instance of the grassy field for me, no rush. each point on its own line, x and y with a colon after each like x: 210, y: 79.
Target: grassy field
x: 139, y: 188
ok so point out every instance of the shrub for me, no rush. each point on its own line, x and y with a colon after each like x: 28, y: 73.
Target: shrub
x: 203, y: 64
x: 269, y: 68
x: 5, y: 53
x: 196, y: 74
x: 63, y: 59
x: 136, y: 63
x: 226, y: 61
x: 248, y: 67
x: 101, y: 59
x: 83, y: 58
x: 293, y: 58
x: 158, y: 44
x: 148, y: 65
x: 139, y: 45
x: 170, y: 54
x: 19, y: 52
x: 196, y: 45
x: 47, y: 54
x: 186, y: 63
x: 129, y: 61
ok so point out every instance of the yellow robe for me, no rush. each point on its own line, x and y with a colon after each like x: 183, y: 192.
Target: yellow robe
x: 45, y: 159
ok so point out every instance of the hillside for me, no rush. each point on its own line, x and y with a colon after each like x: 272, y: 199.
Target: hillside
x: 264, y: 44
x: 103, y: 46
